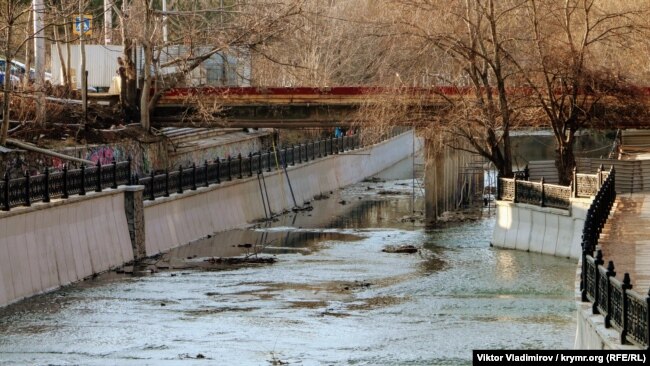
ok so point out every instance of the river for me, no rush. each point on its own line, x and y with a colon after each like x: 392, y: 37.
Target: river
x: 331, y: 298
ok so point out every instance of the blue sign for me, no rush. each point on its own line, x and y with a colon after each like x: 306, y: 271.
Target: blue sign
x: 85, y: 23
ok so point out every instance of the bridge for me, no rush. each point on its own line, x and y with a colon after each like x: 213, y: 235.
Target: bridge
x: 300, y: 107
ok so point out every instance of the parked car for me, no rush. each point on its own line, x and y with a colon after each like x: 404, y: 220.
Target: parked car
x: 18, y: 69
x: 15, y: 80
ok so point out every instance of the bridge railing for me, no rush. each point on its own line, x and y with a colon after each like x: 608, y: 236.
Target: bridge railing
x: 622, y: 308
x: 544, y: 194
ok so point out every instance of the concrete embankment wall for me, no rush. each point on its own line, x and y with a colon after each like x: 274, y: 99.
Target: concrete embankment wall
x: 180, y: 219
x: 541, y: 229
x: 53, y: 244
x: 49, y: 245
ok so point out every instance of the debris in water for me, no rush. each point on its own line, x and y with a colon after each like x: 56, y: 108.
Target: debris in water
x: 240, y: 260
x: 409, y: 249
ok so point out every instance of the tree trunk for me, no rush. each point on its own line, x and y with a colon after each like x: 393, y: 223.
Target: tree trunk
x: 64, y: 67
x: 28, y: 50
x: 146, y: 87
x: 68, y: 81
x: 565, y: 162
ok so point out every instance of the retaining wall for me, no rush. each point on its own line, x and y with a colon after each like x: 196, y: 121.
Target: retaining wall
x: 49, y: 245
x: 179, y: 219
x: 541, y: 229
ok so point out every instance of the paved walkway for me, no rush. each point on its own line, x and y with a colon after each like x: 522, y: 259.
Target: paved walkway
x: 626, y: 239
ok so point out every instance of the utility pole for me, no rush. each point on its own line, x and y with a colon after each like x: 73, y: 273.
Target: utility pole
x: 39, y: 57
x: 164, y: 9
x: 108, y: 21
x: 82, y: 68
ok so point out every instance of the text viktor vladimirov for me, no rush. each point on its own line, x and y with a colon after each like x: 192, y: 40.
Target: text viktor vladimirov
x: 561, y: 357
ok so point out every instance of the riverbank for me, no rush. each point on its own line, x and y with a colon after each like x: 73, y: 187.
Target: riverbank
x: 332, y: 297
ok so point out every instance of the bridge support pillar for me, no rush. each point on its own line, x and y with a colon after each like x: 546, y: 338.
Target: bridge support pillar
x: 450, y: 180
x: 134, y: 206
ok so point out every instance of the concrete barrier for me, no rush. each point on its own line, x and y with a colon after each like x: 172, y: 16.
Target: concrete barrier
x: 182, y: 218
x: 49, y: 245
x: 541, y: 229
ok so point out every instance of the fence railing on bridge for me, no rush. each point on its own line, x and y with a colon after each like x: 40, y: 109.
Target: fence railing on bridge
x: 623, y: 309
x: 519, y: 190
x: 66, y: 182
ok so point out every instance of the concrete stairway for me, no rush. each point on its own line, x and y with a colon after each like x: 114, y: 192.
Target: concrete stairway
x: 626, y: 239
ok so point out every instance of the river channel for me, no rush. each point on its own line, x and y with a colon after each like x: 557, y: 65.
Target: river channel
x: 331, y: 298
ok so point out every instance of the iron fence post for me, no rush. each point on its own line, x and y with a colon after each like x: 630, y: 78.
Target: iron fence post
x: 65, y: 181
x: 229, y: 167
x: 583, y: 276
x: 259, y: 162
x: 46, y: 193
x: 114, y: 185
x: 598, y: 261
x: 218, y: 170
x: 284, y: 161
x: 514, y: 188
x: 574, y: 183
x: 250, y: 163
x: 498, y: 187
x: 179, y: 189
x: 82, y: 191
x: 205, y: 165
x: 5, y: 193
x: 98, y: 186
x: 600, y: 177
x: 239, y: 162
x: 293, y: 155
x: 193, y: 176
x: 627, y: 285
x: 167, y: 182
x: 268, y: 161
x: 610, y: 273
x: 541, y: 203
x: 331, y: 145
x: 152, y: 195
x: 28, y: 189
x: 128, y: 167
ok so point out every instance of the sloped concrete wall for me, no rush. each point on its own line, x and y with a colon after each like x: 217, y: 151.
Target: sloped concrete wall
x: 541, y: 229
x: 53, y: 244
x: 180, y: 219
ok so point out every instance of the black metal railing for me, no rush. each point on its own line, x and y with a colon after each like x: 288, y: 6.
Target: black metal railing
x: 518, y: 189
x: 622, y: 308
x: 62, y: 184
x: 239, y: 167
x: 65, y: 183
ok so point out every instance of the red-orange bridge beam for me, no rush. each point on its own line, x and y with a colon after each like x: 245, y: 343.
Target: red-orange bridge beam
x: 300, y: 107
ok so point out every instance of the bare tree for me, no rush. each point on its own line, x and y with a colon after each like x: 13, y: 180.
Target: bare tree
x: 564, y: 71
x: 200, y: 29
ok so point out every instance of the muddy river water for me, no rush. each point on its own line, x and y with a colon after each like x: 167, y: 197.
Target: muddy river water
x: 331, y: 298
